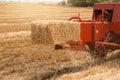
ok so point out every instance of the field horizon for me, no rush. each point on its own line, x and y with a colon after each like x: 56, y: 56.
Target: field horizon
x: 21, y: 15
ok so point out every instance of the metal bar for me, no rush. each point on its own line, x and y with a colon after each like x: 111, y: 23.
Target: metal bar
x: 109, y: 44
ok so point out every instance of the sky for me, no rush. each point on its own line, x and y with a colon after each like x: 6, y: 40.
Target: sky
x: 34, y: 0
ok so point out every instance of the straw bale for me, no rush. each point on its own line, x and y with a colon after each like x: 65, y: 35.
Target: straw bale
x: 54, y: 31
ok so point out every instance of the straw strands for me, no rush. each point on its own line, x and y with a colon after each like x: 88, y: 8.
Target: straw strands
x: 54, y: 31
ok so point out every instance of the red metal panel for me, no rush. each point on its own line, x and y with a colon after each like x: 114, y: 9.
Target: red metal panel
x: 103, y: 6
x: 116, y: 13
x: 86, y: 32
x: 101, y: 30
x: 115, y: 27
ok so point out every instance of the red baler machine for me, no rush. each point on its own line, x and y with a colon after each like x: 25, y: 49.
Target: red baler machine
x: 102, y: 33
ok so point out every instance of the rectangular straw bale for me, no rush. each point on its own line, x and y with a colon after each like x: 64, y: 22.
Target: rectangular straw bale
x: 54, y: 31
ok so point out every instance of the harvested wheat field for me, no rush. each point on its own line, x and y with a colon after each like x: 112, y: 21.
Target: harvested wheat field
x: 106, y: 71
x: 18, y: 16
x: 22, y: 59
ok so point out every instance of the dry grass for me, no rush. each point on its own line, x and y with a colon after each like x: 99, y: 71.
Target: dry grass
x: 107, y: 71
x: 54, y: 31
x: 21, y: 59
x: 13, y: 27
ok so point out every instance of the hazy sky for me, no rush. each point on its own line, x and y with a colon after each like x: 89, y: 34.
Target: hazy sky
x: 35, y: 0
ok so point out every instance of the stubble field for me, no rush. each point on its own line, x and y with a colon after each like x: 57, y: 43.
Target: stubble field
x: 21, y: 59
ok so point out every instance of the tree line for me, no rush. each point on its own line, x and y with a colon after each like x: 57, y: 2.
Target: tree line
x: 86, y: 2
